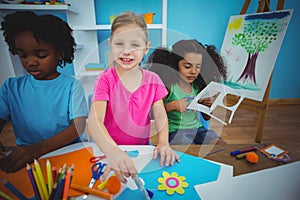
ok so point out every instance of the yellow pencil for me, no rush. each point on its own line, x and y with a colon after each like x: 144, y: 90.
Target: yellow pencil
x: 38, y: 184
x: 49, y: 176
x: 41, y: 178
x: 2, y: 194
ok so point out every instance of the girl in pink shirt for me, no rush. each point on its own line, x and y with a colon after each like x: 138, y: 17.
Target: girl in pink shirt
x: 123, y: 97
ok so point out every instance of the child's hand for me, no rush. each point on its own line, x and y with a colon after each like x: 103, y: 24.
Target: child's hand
x: 208, y: 101
x: 167, y: 155
x: 18, y: 158
x: 182, y: 105
x: 121, y: 164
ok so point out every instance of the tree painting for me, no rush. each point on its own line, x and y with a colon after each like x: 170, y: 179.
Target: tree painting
x: 249, y: 39
x: 259, y: 31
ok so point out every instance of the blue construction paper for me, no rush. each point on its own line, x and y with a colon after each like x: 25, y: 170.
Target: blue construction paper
x: 196, y: 170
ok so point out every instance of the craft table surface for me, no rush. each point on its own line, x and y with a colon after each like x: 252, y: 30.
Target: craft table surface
x: 240, y: 166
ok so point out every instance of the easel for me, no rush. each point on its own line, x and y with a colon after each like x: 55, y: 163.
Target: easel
x: 264, y: 6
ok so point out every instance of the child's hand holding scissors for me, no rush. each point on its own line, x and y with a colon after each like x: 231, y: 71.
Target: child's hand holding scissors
x: 120, y: 162
x: 208, y: 101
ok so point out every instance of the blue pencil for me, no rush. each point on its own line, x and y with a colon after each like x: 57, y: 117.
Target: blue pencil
x: 14, y: 190
x: 216, y: 151
x: 33, y: 183
x: 58, y: 192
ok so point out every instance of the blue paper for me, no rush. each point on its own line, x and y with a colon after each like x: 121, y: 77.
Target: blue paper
x: 196, y: 170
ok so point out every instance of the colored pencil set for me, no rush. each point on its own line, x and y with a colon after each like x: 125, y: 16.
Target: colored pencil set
x: 58, y: 184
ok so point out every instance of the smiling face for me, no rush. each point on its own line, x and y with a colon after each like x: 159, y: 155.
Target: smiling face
x: 190, y: 66
x: 128, y: 45
x: 39, y: 59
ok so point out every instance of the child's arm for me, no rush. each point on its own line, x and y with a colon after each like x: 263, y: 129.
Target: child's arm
x: 22, y: 155
x: 118, y: 160
x: 2, y: 123
x: 179, y: 105
x: 167, y: 155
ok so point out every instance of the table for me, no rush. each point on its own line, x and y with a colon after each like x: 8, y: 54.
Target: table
x: 240, y: 166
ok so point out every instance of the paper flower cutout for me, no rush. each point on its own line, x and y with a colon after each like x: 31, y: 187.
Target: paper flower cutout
x: 172, y: 183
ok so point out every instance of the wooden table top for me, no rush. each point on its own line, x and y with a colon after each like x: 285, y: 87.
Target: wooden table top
x: 240, y: 166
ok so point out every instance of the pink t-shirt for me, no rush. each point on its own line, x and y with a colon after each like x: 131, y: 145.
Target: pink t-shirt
x: 127, y: 116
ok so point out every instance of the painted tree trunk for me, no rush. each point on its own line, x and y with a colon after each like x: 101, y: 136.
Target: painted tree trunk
x: 249, y: 70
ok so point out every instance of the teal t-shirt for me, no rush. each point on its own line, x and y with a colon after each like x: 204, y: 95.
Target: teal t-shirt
x: 185, y: 120
x: 40, y: 109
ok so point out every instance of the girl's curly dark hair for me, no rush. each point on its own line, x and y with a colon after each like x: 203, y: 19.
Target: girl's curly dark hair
x: 46, y: 28
x: 165, y: 63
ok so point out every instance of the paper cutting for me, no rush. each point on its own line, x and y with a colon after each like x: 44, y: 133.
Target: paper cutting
x: 219, y: 90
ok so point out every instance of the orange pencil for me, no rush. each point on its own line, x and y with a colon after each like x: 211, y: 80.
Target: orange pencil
x: 96, y: 192
x: 67, y: 184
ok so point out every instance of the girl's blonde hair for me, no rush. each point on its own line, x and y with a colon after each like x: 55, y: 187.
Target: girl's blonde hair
x: 129, y: 17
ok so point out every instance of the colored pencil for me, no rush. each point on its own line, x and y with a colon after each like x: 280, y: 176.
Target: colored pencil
x: 60, y: 185
x: 33, y: 183
x: 5, y: 196
x: 96, y: 192
x: 53, y: 174
x: 217, y: 151
x: 38, y: 184
x: 41, y: 178
x: 53, y: 191
x: 49, y: 176
x: 67, y: 184
x: 14, y: 190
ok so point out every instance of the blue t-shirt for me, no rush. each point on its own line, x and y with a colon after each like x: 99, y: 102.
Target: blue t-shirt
x: 40, y: 109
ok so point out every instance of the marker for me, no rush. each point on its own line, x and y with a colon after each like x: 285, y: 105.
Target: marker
x: 236, y: 152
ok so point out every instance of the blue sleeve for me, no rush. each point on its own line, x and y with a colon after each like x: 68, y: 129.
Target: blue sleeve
x: 4, y: 105
x: 78, y: 104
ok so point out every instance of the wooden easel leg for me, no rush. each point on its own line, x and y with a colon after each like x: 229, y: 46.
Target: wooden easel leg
x: 260, y: 129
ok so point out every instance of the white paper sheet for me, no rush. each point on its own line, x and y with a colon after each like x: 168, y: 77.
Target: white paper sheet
x: 276, y: 183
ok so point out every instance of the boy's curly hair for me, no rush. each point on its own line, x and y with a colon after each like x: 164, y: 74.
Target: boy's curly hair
x: 46, y: 28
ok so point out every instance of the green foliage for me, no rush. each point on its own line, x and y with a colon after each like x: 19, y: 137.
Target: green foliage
x: 258, y: 34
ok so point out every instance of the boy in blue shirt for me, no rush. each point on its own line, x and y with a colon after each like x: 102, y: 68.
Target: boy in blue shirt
x: 47, y: 109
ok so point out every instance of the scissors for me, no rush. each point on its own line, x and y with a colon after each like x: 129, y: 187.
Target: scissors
x: 97, y: 171
x: 131, y: 153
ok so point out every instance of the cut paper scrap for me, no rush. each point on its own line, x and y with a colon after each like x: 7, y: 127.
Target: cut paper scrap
x: 82, y: 172
x: 195, y: 169
x: 172, y: 183
x: 276, y: 183
x: 219, y: 90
